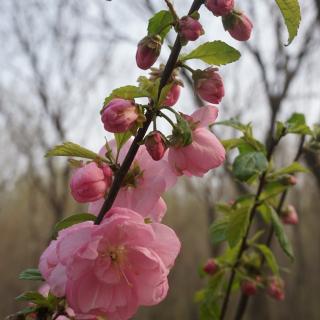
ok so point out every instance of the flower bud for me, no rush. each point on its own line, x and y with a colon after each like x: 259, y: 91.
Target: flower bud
x: 220, y: 7
x: 289, y: 180
x: 156, y: 145
x: 209, y: 85
x: 190, y: 29
x: 119, y: 115
x: 210, y: 267
x: 290, y: 216
x: 148, y: 51
x: 238, y: 25
x: 292, y: 180
x: 249, y: 287
x: 275, y: 288
x: 172, y: 96
x: 90, y: 182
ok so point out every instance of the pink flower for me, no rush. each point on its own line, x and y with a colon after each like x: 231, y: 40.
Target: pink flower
x: 114, y: 267
x: 248, y: 287
x: 220, y: 7
x: 276, y: 288
x: 210, y: 267
x: 119, y: 115
x: 146, y: 181
x: 155, y: 145
x: 209, y: 85
x: 238, y: 25
x: 204, y: 153
x: 148, y: 51
x: 90, y: 182
x: 290, y: 216
x: 172, y: 96
x: 190, y: 29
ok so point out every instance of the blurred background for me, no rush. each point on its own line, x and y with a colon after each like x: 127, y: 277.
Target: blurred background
x: 58, y: 61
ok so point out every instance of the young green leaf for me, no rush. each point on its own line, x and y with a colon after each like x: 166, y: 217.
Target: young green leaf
x: 290, y: 10
x: 297, y: 124
x: 70, y: 149
x: 272, y: 189
x: 247, y: 165
x: 34, y: 297
x: 292, y: 168
x: 126, y: 92
x: 74, y: 219
x: 230, y: 144
x: 215, y: 52
x: 218, y: 230
x: 270, y: 258
x: 235, y: 124
x: 237, y: 226
x: 280, y: 232
x: 160, y: 23
x: 31, y: 274
x: 122, y: 138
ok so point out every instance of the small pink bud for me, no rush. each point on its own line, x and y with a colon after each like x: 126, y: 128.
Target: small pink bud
x: 220, y: 7
x: 119, y: 115
x: 90, y: 182
x: 249, y: 288
x: 155, y: 145
x: 290, y: 216
x: 238, y: 25
x: 275, y: 288
x: 209, y: 85
x: 190, y: 29
x: 148, y: 51
x: 210, y: 267
x: 172, y: 96
x: 292, y: 180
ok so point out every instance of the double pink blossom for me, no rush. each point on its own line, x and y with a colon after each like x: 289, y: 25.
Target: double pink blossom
x: 155, y: 145
x: 90, y: 182
x: 190, y: 29
x: 144, y: 184
x: 238, y: 25
x: 290, y: 216
x: 172, y: 96
x: 113, y: 268
x: 148, y: 51
x: 220, y: 7
x: 204, y: 153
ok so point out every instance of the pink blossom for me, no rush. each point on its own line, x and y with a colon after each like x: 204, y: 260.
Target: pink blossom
x: 148, y: 52
x: 290, y: 216
x: 90, y: 182
x: 190, y: 29
x: 155, y: 145
x: 209, y: 85
x: 220, y: 7
x: 276, y: 288
x: 238, y: 25
x: 114, y: 267
x: 172, y: 96
x: 204, y: 153
x: 146, y: 181
x: 119, y: 115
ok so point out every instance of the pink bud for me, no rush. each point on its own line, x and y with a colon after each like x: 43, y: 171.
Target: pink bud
x: 220, y: 7
x: 275, y: 288
x: 155, y: 145
x: 238, y: 25
x: 210, y: 267
x: 292, y: 180
x: 190, y: 29
x: 209, y: 85
x: 90, y: 182
x: 119, y: 115
x: 148, y: 51
x: 290, y: 216
x: 249, y: 288
x: 172, y: 96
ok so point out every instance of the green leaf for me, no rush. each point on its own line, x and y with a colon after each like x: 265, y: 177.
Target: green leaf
x: 272, y: 189
x: 297, y: 124
x: 237, y: 226
x: 249, y: 164
x: 25, y: 311
x: 292, y: 168
x: 230, y: 144
x: 280, y: 232
x: 74, y: 219
x: 215, y: 52
x: 270, y: 258
x: 157, y: 24
x: 218, y: 230
x: 290, y: 10
x: 70, y: 149
x: 31, y: 274
x: 126, y: 92
x: 122, y: 138
x: 164, y: 93
x: 34, y: 297
x: 235, y: 124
